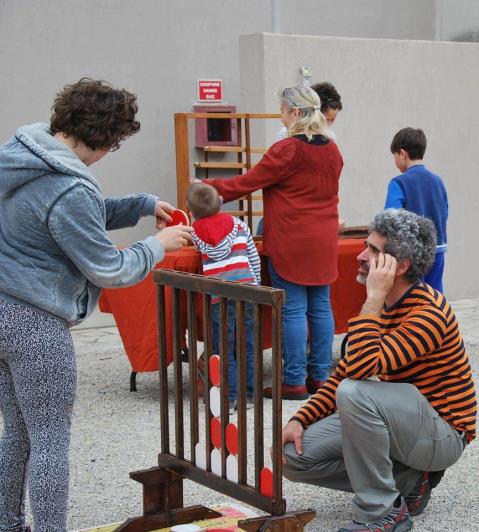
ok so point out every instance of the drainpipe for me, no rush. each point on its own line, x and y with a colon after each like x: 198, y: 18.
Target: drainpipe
x: 275, y: 16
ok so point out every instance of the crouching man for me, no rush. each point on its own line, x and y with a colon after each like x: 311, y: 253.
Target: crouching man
x: 401, y: 406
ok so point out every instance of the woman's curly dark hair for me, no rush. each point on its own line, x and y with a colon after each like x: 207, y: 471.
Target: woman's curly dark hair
x: 93, y: 112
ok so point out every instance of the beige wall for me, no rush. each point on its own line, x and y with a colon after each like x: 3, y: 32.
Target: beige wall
x: 387, y: 85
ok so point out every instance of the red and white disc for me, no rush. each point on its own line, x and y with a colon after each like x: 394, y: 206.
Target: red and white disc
x: 216, y: 462
x: 200, y: 455
x: 266, y: 482
x: 232, y: 468
x: 232, y: 438
x: 215, y: 432
x: 178, y: 217
x: 215, y: 401
x: 215, y: 370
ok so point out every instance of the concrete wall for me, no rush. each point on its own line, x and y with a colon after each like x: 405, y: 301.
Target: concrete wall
x: 387, y: 85
x: 406, y: 19
x: 457, y: 20
x: 159, y: 48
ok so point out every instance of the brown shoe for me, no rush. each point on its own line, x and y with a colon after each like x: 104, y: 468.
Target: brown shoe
x: 297, y: 393
x: 313, y: 385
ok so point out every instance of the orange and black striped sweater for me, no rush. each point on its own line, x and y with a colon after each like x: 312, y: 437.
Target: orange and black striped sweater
x: 418, y: 341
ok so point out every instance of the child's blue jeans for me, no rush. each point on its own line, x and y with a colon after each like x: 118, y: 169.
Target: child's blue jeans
x: 249, y: 326
x: 434, y: 276
x: 305, y: 304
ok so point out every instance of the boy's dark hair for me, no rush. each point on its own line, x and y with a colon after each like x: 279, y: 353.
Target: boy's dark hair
x: 95, y: 113
x: 413, y: 141
x: 203, y: 200
x: 330, y: 98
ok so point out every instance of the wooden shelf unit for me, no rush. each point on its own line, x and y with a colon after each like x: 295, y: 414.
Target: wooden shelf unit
x: 243, y: 151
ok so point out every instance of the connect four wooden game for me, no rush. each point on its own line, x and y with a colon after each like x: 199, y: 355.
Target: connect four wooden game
x: 211, y: 436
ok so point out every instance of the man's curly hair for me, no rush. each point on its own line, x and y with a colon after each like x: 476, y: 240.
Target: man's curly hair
x: 409, y: 236
x: 93, y: 112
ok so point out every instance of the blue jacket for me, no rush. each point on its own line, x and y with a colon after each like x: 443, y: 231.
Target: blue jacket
x: 55, y: 254
x: 423, y: 192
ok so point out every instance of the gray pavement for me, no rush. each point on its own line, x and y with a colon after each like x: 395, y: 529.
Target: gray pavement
x: 115, y: 432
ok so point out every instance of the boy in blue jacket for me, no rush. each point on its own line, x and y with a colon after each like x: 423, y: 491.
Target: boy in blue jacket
x: 418, y: 190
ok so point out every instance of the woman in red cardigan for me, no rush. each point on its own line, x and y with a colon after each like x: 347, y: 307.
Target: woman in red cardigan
x: 299, y: 177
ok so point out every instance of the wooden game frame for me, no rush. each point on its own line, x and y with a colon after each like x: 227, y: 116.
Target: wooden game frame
x: 163, y: 485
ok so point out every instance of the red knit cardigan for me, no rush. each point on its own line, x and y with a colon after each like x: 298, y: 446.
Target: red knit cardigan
x: 300, y: 197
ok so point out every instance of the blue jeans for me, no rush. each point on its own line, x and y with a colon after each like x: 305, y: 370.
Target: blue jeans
x: 305, y: 304
x: 259, y: 230
x: 434, y: 276
x: 249, y: 325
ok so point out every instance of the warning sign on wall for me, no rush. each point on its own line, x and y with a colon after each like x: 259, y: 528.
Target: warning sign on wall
x: 210, y: 90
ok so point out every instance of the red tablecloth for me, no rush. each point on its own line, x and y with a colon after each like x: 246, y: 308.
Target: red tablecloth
x: 134, y: 308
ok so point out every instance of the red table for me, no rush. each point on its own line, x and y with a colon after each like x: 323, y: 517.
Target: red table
x: 134, y: 308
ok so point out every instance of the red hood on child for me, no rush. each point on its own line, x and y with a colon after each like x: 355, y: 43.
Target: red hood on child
x: 215, y: 229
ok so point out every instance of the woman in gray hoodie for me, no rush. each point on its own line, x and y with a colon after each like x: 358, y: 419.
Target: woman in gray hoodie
x: 55, y: 256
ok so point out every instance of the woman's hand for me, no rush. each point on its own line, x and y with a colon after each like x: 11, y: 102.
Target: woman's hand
x: 161, y: 212
x: 174, y: 237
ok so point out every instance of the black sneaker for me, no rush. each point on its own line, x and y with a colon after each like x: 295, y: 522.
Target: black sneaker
x: 397, y: 520
x: 234, y: 404
x: 419, y: 497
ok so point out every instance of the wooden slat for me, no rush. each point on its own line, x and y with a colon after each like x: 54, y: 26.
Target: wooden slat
x: 224, y: 409
x: 239, y: 158
x: 258, y: 394
x: 244, y: 213
x: 232, y: 149
x: 193, y: 372
x: 178, y: 375
x: 209, y: 285
x: 182, y: 160
x: 207, y: 352
x: 241, y: 390
x: 263, y: 115
x: 163, y: 374
x: 254, y: 197
x: 249, y: 165
x: 227, y: 166
x: 276, y: 327
x: 190, y: 116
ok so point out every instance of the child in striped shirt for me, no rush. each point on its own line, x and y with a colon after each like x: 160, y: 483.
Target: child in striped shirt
x: 227, y: 252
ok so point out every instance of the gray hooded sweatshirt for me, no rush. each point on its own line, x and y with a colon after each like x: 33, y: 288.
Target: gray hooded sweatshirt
x: 55, y: 254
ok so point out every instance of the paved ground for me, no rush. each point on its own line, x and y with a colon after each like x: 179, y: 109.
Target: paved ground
x: 115, y: 432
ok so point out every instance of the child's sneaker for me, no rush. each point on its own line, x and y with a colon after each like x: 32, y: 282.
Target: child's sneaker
x: 234, y: 405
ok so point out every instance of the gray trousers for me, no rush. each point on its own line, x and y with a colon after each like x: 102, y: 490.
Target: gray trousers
x: 376, y: 443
